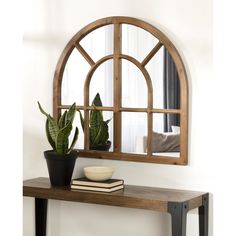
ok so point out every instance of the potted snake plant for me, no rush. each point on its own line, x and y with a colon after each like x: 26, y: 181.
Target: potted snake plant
x: 61, y: 159
x: 98, y: 128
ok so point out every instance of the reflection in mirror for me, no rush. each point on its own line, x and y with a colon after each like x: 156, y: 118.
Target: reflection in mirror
x: 165, y: 122
x: 134, y: 128
x: 137, y: 42
x: 99, y: 42
x: 134, y: 86
x: 74, y: 75
x: 102, y: 83
x: 166, y: 135
x: 155, y: 69
x: 165, y: 80
x: 101, y: 133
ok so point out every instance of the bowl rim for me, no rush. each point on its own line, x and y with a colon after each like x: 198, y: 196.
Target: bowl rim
x: 99, y: 169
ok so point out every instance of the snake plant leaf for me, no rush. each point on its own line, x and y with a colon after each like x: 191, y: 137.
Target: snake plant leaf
x: 97, y: 101
x: 62, y: 120
x: 93, y: 131
x: 74, y: 139
x: 81, y: 119
x: 53, y: 129
x: 107, y: 121
x: 45, y: 113
x: 41, y: 109
x: 102, y: 135
x: 58, y: 132
x: 96, y: 118
x: 50, y: 140
x: 71, y: 113
x: 52, y: 125
x: 98, y: 128
x: 62, y: 139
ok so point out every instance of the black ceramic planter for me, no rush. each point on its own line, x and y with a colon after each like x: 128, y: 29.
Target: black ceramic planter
x: 60, y: 167
x: 105, y: 147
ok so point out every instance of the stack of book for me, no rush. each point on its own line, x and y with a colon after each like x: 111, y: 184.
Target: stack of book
x: 107, y: 186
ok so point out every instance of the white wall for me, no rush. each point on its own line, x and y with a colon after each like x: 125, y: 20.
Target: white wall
x: 48, y: 26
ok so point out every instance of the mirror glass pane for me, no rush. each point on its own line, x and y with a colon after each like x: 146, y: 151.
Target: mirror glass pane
x: 99, y: 42
x: 166, y: 134
x: 134, y: 86
x: 72, y: 89
x: 102, y: 83
x: 165, y: 80
x: 137, y: 42
x: 134, y: 128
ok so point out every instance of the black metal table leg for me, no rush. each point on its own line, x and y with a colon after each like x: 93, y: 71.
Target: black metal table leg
x: 40, y: 216
x: 178, y: 213
x: 203, y: 216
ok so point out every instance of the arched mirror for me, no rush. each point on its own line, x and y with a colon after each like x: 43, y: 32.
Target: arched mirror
x: 142, y: 84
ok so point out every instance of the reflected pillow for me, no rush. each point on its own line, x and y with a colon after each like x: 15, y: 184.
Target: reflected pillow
x: 164, y: 142
x: 175, y: 129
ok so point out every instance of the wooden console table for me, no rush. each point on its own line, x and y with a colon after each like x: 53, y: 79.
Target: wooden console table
x: 176, y: 202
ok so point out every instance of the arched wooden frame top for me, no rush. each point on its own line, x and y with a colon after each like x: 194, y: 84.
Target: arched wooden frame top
x: 117, y: 21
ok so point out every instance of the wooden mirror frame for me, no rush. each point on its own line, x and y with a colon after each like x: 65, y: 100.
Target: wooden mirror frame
x: 117, y: 21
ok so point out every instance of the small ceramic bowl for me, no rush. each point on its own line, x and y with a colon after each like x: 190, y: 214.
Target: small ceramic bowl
x: 98, y: 173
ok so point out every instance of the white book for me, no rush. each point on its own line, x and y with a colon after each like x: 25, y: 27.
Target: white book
x: 97, y: 189
x: 104, y: 184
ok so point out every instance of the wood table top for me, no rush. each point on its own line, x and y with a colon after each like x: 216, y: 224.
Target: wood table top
x: 149, y: 198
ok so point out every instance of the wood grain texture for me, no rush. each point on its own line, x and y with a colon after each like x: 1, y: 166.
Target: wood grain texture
x: 117, y: 88
x: 141, y: 197
x: 84, y: 54
x: 136, y: 157
x: 88, y: 108
x: 117, y: 55
x: 151, y: 54
x: 126, y: 109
